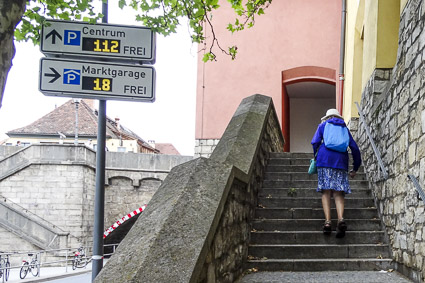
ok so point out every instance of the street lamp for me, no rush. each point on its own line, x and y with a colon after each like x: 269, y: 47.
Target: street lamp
x: 77, y: 102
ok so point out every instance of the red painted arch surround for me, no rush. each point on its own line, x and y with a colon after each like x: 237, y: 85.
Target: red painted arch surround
x: 296, y: 75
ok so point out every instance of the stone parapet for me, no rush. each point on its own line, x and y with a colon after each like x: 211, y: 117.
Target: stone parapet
x: 196, y: 227
x: 394, y: 105
x: 54, y: 187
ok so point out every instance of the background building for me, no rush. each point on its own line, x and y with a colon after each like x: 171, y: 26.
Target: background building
x: 60, y: 127
x: 292, y: 55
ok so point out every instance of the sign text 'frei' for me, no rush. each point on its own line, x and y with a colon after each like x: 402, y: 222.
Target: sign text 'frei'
x: 113, y: 42
x: 97, y: 80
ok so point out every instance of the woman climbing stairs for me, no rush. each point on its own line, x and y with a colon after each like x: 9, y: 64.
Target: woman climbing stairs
x: 287, y: 231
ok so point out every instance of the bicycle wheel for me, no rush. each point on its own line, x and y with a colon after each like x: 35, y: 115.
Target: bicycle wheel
x: 24, y: 270
x: 83, y: 261
x: 35, y: 268
x: 7, y: 271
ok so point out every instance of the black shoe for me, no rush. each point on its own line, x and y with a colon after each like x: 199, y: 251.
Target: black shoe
x: 341, y: 228
x: 327, y: 228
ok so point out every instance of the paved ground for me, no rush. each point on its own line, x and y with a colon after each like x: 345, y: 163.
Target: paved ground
x: 49, y: 273
x: 328, y: 277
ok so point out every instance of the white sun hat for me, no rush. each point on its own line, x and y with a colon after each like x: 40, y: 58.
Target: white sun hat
x: 332, y: 112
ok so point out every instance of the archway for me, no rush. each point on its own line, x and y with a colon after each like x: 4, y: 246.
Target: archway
x: 307, y: 92
x: 117, y: 231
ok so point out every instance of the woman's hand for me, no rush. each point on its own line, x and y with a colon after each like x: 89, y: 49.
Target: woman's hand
x: 353, y: 173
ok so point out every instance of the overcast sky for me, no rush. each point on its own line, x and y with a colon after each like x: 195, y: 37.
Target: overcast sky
x: 170, y: 119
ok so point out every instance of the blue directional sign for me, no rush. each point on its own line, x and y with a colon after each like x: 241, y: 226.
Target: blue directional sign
x: 96, y: 80
x: 110, y: 42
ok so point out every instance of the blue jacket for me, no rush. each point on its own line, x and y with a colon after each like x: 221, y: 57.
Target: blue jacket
x: 331, y: 158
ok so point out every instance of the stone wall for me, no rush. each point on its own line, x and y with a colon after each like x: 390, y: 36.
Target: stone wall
x: 229, y: 249
x: 55, y: 185
x: 122, y: 191
x: 205, y: 147
x: 59, y: 194
x: 394, y: 106
x: 195, y: 229
x: 8, y: 150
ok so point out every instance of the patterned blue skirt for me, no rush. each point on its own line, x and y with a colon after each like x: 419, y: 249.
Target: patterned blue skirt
x: 332, y: 179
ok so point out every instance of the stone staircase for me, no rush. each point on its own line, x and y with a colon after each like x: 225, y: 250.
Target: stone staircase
x: 287, y: 230
x: 30, y: 227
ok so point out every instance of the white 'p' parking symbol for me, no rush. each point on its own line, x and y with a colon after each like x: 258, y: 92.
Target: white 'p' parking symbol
x: 71, y: 76
x: 72, y: 37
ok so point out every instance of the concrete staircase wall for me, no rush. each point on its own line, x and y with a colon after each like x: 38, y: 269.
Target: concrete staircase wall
x: 196, y: 227
x: 287, y: 230
x: 35, y: 230
x: 52, y: 186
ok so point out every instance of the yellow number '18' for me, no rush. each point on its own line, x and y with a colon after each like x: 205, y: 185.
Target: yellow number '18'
x: 102, y: 84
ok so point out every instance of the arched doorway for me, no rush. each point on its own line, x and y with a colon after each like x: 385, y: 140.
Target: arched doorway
x: 307, y: 92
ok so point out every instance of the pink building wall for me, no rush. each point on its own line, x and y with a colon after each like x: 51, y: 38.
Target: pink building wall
x: 291, y: 34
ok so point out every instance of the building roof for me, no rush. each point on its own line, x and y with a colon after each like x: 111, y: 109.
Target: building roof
x: 166, y: 148
x: 62, y: 119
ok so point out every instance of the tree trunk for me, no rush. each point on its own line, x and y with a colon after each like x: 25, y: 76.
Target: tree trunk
x: 11, y: 12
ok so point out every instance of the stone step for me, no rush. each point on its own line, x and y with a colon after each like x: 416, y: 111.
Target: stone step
x: 315, y: 237
x: 321, y: 264
x: 289, y: 161
x: 318, y: 251
x: 300, y: 176
x: 312, y: 225
x: 307, y: 184
x: 313, y: 213
x: 313, y: 202
x: 308, y: 192
x: 290, y: 155
x: 302, y: 168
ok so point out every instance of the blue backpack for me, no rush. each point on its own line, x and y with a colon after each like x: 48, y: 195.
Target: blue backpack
x: 336, y: 137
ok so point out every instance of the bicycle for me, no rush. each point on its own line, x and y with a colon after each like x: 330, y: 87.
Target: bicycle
x: 32, y: 266
x: 4, y: 267
x: 80, y: 259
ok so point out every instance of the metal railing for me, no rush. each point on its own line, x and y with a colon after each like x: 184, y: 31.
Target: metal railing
x: 375, y: 149
x: 68, y: 254
x: 421, y: 194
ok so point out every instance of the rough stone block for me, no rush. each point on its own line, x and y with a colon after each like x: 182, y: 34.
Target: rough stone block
x: 172, y: 219
x: 412, y: 153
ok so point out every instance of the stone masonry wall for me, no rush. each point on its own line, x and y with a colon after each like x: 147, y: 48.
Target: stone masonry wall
x: 129, y: 196
x: 55, y: 185
x: 394, y: 106
x: 229, y: 249
x: 62, y: 194
x: 204, y: 147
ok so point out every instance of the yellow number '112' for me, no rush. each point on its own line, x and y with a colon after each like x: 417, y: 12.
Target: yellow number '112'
x: 106, y: 46
x: 102, y: 84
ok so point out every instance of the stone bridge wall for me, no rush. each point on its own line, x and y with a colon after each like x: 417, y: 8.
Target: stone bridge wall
x: 394, y: 105
x: 196, y: 226
x: 55, y: 184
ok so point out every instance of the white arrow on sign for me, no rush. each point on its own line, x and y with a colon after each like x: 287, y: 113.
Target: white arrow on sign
x: 96, y: 80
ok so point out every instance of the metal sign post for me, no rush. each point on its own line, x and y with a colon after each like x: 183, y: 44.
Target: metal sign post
x: 99, y: 199
x: 97, y: 61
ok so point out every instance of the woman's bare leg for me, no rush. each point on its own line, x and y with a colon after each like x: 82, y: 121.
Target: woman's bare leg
x: 326, y: 203
x: 339, y: 203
